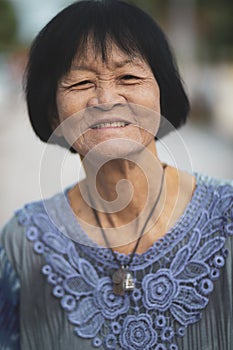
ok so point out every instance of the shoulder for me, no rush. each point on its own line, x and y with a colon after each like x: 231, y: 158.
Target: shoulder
x: 216, y: 195
x: 14, y: 227
x: 220, y: 187
x: 212, y: 181
x: 32, y: 212
x: 23, y: 226
x: 12, y: 237
x: 47, y: 215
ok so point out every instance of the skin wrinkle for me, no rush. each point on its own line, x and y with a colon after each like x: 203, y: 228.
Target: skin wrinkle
x: 98, y: 80
x: 105, y: 88
x: 108, y: 89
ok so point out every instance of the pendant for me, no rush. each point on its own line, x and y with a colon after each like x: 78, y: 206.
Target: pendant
x: 122, y: 281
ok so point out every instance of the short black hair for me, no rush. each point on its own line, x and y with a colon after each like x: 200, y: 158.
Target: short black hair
x: 67, y: 35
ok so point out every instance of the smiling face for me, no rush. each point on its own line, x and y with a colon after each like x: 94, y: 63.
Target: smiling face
x: 107, y: 100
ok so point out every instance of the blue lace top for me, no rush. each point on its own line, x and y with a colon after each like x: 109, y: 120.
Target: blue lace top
x: 55, y: 283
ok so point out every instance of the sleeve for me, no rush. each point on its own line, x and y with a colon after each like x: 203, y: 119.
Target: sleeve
x: 9, y: 304
x: 228, y: 208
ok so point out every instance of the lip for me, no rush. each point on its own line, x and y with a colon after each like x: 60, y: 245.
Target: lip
x: 109, y: 121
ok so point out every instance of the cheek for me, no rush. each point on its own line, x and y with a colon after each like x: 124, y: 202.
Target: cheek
x: 68, y: 105
x: 62, y: 107
x: 149, y: 97
x: 154, y: 98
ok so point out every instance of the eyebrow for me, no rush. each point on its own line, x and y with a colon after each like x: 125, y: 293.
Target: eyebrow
x: 119, y: 64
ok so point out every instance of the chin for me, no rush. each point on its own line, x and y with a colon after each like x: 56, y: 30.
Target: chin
x: 110, y: 149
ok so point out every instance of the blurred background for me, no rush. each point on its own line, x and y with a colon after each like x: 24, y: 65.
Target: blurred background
x: 201, y: 34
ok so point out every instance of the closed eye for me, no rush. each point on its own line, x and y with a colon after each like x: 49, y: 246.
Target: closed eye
x: 129, y: 77
x: 84, y: 84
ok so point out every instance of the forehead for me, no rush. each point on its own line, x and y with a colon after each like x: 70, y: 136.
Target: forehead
x: 114, y: 58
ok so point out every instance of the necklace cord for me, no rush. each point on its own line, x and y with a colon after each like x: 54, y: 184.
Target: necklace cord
x: 143, y: 228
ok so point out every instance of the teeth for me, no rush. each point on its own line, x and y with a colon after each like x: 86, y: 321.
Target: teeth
x: 108, y: 125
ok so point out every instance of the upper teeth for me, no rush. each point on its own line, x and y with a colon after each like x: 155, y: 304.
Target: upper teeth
x: 107, y: 125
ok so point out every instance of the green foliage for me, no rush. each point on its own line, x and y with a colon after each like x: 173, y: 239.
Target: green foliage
x: 158, y: 9
x: 214, y: 23
x: 153, y: 7
x: 8, y: 26
x: 215, y: 20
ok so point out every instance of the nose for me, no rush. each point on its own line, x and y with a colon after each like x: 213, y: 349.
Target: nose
x: 105, y: 97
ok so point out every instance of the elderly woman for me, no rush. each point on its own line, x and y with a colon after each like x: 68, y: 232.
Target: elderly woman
x: 138, y: 255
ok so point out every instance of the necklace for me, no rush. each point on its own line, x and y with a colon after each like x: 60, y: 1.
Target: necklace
x: 122, y: 278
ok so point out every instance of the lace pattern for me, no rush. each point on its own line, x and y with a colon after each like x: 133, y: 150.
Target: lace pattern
x: 174, y: 278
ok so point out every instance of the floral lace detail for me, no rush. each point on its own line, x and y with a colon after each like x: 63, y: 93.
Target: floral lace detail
x: 173, y: 283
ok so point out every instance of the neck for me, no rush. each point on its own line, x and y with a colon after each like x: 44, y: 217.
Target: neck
x: 124, y: 188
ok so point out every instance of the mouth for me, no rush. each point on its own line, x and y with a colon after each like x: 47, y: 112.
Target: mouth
x: 116, y: 124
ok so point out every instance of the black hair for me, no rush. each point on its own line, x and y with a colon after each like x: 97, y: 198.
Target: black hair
x: 67, y: 35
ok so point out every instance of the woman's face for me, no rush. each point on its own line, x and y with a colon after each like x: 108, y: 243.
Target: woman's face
x: 116, y: 99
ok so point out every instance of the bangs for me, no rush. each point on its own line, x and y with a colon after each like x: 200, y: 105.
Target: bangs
x: 98, y: 45
x: 106, y: 23
x: 90, y: 28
